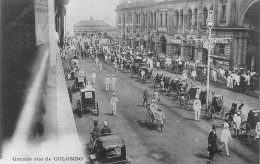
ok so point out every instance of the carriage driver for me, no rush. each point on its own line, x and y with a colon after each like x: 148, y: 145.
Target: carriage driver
x: 153, y: 109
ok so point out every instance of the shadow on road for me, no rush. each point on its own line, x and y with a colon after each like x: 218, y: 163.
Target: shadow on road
x: 147, y: 125
x: 109, y: 114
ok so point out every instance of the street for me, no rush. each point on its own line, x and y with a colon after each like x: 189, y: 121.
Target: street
x: 183, y: 140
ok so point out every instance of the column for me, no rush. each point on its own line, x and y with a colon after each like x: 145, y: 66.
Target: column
x: 244, y: 52
x: 163, y: 19
x: 239, y: 53
x: 233, y: 59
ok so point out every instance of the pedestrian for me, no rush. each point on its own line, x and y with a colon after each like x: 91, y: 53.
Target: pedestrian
x: 212, y: 143
x: 158, y: 65
x: 105, y: 129
x: 224, y: 137
x: 193, y: 74
x: 70, y: 93
x: 100, y: 67
x: 153, y: 109
x: 237, y: 120
x: 156, y: 96
x: 214, y: 75
x: 113, y: 82
x: 145, y: 96
x: 115, y: 65
x: 161, y: 118
x: 96, y: 60
x: 184, y: 76
x: 93, y: 76
x: 107, y: 82
x: 114, y: 101
x: 197, y: 108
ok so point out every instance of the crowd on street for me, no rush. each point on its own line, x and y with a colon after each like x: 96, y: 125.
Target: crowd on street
x: 118, y: 55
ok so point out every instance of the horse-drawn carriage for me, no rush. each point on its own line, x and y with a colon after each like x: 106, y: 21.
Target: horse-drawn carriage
x: 80, y: 82
x: 88, y: 101
x: 216, y: 107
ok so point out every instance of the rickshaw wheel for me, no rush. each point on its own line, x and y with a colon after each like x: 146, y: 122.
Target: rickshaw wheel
x: 211, y: 112
x: 245, y: 128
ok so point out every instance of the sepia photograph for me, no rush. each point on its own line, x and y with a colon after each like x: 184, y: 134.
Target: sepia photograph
x: 129, y: 81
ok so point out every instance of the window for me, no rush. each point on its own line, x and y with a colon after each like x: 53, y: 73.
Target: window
x: 221, y: 49
x: 223, y: 13
x: 204, y: 16
x: 181, y: 18
x: 161, y: 19
x: 195, y: 17
x: 166, y: 18
x: 189, y: 17
x: 155, y: 19
x: 177, y: 18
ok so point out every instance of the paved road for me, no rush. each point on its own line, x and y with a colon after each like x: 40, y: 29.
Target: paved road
x: 183, y: 140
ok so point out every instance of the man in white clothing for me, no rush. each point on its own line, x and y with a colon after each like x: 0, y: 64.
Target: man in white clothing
x: 197, y: 108
x: 107, y: 82
x: 153, y: 108
x: 113, y: 82
x: 237, y: 120
x: 114, y: 101
x: 225, y: 136
x: 161, y: 118
x: 93, y: 76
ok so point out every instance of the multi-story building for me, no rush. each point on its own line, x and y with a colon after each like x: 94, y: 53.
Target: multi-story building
x: 94, y: 28
x: 173, y: 27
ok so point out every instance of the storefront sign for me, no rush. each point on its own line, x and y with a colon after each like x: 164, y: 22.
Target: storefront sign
x: 162, y: 29
x: 175, y: 41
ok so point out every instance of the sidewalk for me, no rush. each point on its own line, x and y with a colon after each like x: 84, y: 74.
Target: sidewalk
x: 229, y: 96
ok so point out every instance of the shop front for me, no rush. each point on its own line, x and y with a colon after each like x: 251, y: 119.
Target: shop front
x: 175, y: 45
x: 189, y: 51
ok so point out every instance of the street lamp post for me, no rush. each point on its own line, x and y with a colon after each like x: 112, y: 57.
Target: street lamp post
x: 210, y: 25
x: 211, y: 43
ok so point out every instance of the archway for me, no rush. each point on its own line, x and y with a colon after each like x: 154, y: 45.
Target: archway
x: 163, y: 44
x: 250, y: 20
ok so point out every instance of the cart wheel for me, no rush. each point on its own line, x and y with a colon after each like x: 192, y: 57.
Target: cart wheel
x: 187, y: 100
x: 245, y: 128
x: 251, y: 135
x: 211, y: 112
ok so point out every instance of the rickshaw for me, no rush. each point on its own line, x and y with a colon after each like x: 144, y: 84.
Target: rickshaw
x: 162, y: 62
x: 178, y: 68
x: 201, y: 73
x: 148, y: 76
x: 216, y: 107
x: 136, y: 65
x: 167, y: 81
x: 88, y: 101
x: 248, y: 127
x: 168, y: 64
x: 157, y: 80
x: 80, y: 82
x: 126, y: 66
x: 108, y: 149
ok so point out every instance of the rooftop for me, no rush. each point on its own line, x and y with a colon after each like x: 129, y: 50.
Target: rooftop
x: 92, y: 22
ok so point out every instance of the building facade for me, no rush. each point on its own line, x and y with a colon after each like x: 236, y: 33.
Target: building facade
x: 173, y: 27
x: 94, y: 29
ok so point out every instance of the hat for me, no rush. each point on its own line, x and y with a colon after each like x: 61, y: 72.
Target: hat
x: 105, y: 123
x: 214, y: 127
x: 114, y: 94
x: 113, y: 75
x: 226, y: 125
x: 107, y: 75
x: 153, y: 100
